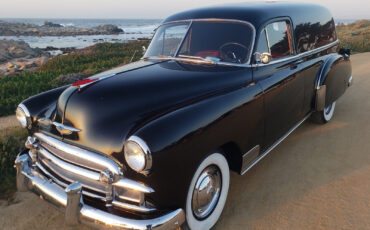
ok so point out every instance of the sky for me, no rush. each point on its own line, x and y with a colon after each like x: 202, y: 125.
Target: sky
x: 147, y: 9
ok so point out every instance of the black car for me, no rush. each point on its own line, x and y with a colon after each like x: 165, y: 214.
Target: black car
x: 149, y: 145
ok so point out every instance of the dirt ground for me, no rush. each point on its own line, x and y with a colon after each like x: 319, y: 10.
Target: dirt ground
x: 318, y: 178
x: 8, y: 121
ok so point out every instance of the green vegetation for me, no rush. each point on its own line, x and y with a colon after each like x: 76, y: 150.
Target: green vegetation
x: 56, y: 72
x: 355, y: 36
x: 11, y: 143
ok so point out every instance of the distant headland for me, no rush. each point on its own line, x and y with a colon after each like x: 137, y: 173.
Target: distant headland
x: 53, y: 29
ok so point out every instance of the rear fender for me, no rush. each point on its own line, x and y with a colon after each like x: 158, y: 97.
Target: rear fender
x: 332, y: 81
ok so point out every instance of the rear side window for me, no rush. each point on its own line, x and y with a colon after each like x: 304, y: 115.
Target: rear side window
x: 310, y: 36
x: 276, y: 39
x: 279, y: 40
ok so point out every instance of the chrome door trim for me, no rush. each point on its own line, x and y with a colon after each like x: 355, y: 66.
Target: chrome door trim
x: 275, y: 144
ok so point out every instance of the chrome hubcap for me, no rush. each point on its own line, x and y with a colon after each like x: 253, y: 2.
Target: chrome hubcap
x: 206, y: 192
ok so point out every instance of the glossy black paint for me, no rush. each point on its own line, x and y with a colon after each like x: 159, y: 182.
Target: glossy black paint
x: 186, y: 111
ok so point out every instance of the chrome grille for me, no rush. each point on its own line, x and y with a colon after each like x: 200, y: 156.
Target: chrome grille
x: 65, y: 164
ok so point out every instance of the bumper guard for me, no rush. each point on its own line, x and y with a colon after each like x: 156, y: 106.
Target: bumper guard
x: 70, y: 200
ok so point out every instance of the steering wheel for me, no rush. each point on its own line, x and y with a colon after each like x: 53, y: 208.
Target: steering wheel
x: 233, y: 52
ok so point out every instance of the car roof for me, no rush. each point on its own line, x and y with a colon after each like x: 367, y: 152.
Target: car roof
x: 257, y: 13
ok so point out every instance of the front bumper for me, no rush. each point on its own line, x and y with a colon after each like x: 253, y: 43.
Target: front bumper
x: 70, y: 200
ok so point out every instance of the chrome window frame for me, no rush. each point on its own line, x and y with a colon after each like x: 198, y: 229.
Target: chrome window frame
x: 190, y: 21
x: 250, y: 55
x: 297, y: 56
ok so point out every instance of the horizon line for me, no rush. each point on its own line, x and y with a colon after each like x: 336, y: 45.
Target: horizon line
x: 89, y: 18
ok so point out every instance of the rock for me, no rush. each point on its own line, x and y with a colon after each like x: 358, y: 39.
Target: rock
x: 50, y: 24
x: 10, y: 65
x: 22, y: 66
x: 52, y: 29
x: 109, y: 28
x: 10, y: 49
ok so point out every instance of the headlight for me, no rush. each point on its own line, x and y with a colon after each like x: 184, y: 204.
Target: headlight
x: 23, y: 116
x: 137, y: 154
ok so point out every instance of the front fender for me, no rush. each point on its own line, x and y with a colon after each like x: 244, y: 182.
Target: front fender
x: 38, y: 104
x: 180, y: 140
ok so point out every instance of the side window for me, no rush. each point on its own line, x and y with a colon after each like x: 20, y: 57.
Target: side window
x: 279, y: 39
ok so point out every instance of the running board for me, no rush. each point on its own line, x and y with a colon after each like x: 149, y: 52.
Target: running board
x: 243, y: 171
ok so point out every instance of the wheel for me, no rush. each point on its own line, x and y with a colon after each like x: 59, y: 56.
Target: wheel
x: 324, y: 116
x: 207, y: 192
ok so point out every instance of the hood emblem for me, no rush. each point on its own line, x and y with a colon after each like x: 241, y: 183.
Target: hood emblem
x: 65, y: 130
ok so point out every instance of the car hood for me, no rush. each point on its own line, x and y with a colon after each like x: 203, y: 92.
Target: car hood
x: 110, y: 110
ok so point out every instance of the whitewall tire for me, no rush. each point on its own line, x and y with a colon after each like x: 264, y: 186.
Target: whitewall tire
x: 324, y: 116
x: 207, y: 192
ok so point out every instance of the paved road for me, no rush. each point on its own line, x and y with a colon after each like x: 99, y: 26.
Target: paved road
x: 318, y: 178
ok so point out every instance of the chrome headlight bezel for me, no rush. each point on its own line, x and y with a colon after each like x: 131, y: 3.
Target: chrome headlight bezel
x: 144, y: 155
x: 23, y: 116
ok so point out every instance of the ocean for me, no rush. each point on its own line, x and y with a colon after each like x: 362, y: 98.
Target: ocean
x: 134, y: 29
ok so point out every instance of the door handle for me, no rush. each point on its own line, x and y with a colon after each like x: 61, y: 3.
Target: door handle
x: 295, y: 64
x: 299, y: 61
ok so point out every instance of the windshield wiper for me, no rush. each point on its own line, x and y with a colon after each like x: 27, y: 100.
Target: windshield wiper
x: 158, y: 57
x: 197, y: 59
x: 184, y: 58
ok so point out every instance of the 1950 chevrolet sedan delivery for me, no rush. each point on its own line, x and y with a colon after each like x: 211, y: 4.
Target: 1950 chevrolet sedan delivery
x: 149, y: 145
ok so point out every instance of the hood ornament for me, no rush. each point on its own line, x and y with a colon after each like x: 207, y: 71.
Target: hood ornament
x: 91, y: 80
x: 65, y: 130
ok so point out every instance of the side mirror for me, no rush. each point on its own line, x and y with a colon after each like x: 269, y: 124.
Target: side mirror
x: 265, y: 58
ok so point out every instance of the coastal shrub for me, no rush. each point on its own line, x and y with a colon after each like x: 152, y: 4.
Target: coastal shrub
x: 86, y: 62
x: 11, y: 143
x: 355, y: 36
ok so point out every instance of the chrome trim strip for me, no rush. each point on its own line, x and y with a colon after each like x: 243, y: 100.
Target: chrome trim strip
x: 297, y: 56
x: 86, y: 214
x: 249, y: 156
x: 246, y: 64
x: 64, y: 185
x: 132, y: 207
x: 69, y: 167
x: 275, y: 144
x: 72, y: 177
x: 83, y: 155
x: 317, y: 84
x: 134, y: 185
x: 267, y: 39
x: 183, y: 39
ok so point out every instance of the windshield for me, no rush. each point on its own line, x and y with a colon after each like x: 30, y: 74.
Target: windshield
x: 217, y: 41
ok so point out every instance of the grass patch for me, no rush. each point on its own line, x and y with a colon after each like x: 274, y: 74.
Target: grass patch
x: 355, y: 36
x: 11, y: 143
